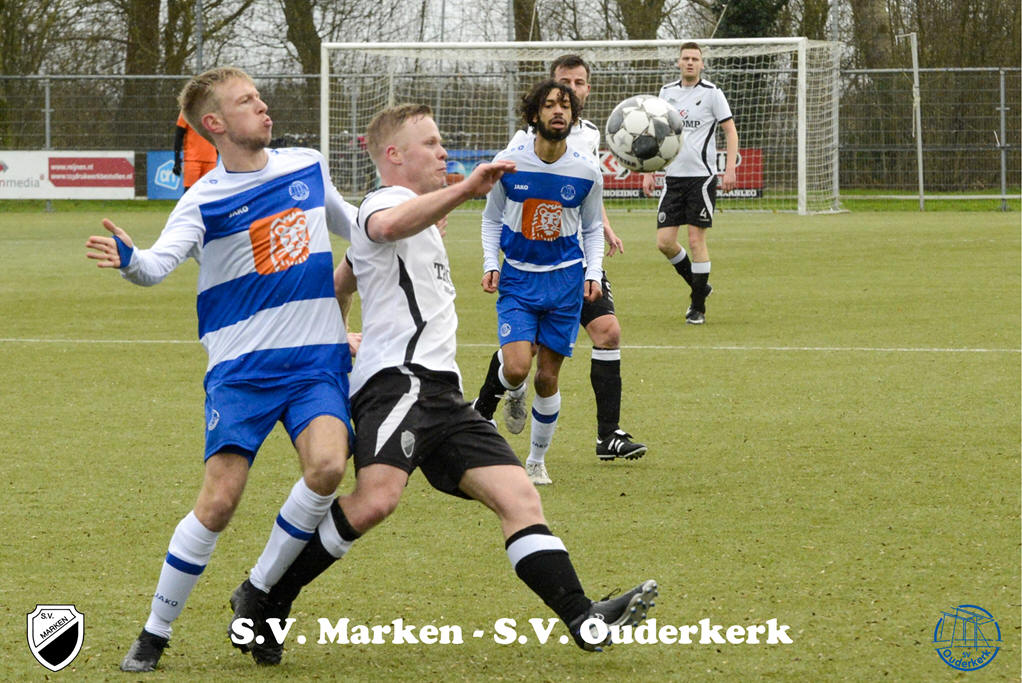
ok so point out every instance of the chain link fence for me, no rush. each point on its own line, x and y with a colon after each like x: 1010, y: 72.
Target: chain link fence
x: 970, y: 123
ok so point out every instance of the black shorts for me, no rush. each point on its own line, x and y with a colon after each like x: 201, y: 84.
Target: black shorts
x: 602, y: 306
x: 687, y: 201
x: 423, y: 421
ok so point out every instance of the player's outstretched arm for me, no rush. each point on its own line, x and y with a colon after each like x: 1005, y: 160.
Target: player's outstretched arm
x: 415, y: 215
x: 104, y: 249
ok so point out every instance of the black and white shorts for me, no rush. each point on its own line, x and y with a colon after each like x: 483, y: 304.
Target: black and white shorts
x: 411, y: 417
x: 602, y: 306
x: 687, y: 201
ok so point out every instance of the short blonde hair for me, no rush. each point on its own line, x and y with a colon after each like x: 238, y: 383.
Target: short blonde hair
x: 388, y: 122
x: 199, y: 96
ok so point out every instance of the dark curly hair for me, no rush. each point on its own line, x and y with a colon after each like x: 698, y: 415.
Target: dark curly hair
x: 533, y: 102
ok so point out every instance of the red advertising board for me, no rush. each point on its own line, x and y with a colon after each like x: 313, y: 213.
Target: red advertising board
x: 91, y: 172
x: 52, y: 174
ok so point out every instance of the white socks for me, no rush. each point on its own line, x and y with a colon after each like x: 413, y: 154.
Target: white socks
x: 545, y: 410
x: 301, y: 513
x: 191, y: 546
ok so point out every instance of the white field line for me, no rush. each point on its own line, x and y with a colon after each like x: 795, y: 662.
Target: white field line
x: 629, y: 347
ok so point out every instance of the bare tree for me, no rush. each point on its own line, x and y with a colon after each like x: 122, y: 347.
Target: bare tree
x: 874, y: 33
x: 526, y: 23
x: 32, y: 34
x: 642, y: 18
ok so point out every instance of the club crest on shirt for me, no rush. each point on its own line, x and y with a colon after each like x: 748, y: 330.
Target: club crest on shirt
x: 407, y: 443
x: 280, y: 241
x: 298, y: 190
x: 568, y: 191
x: 541, y: 219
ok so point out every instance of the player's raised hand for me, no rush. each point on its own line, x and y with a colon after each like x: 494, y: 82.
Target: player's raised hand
x: 484, y: 176
x: 104, y: 249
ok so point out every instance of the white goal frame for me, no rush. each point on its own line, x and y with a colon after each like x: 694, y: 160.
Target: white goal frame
x: 815, y: 195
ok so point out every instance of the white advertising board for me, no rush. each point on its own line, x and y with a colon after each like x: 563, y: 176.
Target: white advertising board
x: 67, y: 175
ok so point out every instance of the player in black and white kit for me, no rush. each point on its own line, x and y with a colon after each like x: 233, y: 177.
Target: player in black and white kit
x: 599, y: 318
x: 407, y: 402
x: 690, y: 191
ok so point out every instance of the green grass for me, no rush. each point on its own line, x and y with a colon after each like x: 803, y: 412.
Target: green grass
x: 837, y: 448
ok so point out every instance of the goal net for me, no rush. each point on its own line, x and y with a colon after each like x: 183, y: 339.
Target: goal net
x: 783, y: 93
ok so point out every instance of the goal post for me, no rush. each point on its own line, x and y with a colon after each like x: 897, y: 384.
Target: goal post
x: 783, y: 93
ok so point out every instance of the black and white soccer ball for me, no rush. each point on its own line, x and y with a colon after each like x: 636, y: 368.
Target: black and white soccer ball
x: 644, y: 133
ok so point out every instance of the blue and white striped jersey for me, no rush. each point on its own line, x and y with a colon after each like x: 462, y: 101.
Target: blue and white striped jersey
x: 266, y: 306
x: 545, y: 216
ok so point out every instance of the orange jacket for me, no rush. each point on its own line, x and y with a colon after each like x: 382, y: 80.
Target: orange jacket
x: 199, y: 154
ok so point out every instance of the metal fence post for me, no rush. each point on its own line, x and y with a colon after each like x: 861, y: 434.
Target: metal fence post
x: 1002, y: 142
x: 917, y: 124
x: 47, y: 110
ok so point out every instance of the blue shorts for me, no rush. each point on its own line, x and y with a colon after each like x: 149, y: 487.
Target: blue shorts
x: 240, y: 415
x: 543, y: 308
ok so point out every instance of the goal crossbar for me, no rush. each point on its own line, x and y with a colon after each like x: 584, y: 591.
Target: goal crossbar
x: 782, y: 91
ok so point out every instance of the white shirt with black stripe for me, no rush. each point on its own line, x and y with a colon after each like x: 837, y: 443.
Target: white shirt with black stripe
x: 408, y: 314
x: 702, y: 107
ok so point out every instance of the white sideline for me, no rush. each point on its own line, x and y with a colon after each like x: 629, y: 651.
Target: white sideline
x: 630, y: 347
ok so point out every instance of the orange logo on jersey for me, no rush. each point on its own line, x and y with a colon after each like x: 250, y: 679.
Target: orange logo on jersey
x: 541, y: 220
x: 280, y: 241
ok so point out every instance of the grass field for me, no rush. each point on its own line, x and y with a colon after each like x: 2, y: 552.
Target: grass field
x: 837, y: 449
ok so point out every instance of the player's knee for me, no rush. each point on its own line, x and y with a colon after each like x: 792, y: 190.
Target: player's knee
x: 215, y: 511
x: 324, y: 475
x: 529, y: 504
x: 518, y: 501
x: 545, y: 382
x: 374, y: 510
x: 667, y: 245
x: 516, y: 370
x: 605, y: 332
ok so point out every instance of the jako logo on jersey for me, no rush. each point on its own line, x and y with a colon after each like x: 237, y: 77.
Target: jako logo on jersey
x: 541, y: 220
x: 521, y: 187
x: 568, y: 192
x: 298, y: 191
x: 238, y: 212
x: 280, y: 241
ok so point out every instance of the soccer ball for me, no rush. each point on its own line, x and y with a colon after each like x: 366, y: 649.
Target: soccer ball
x: 644, y: 133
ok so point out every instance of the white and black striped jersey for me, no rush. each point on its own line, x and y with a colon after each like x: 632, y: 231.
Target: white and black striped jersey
x: 408, y: 314
x: 702, y: 107
x: 584, y: 135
